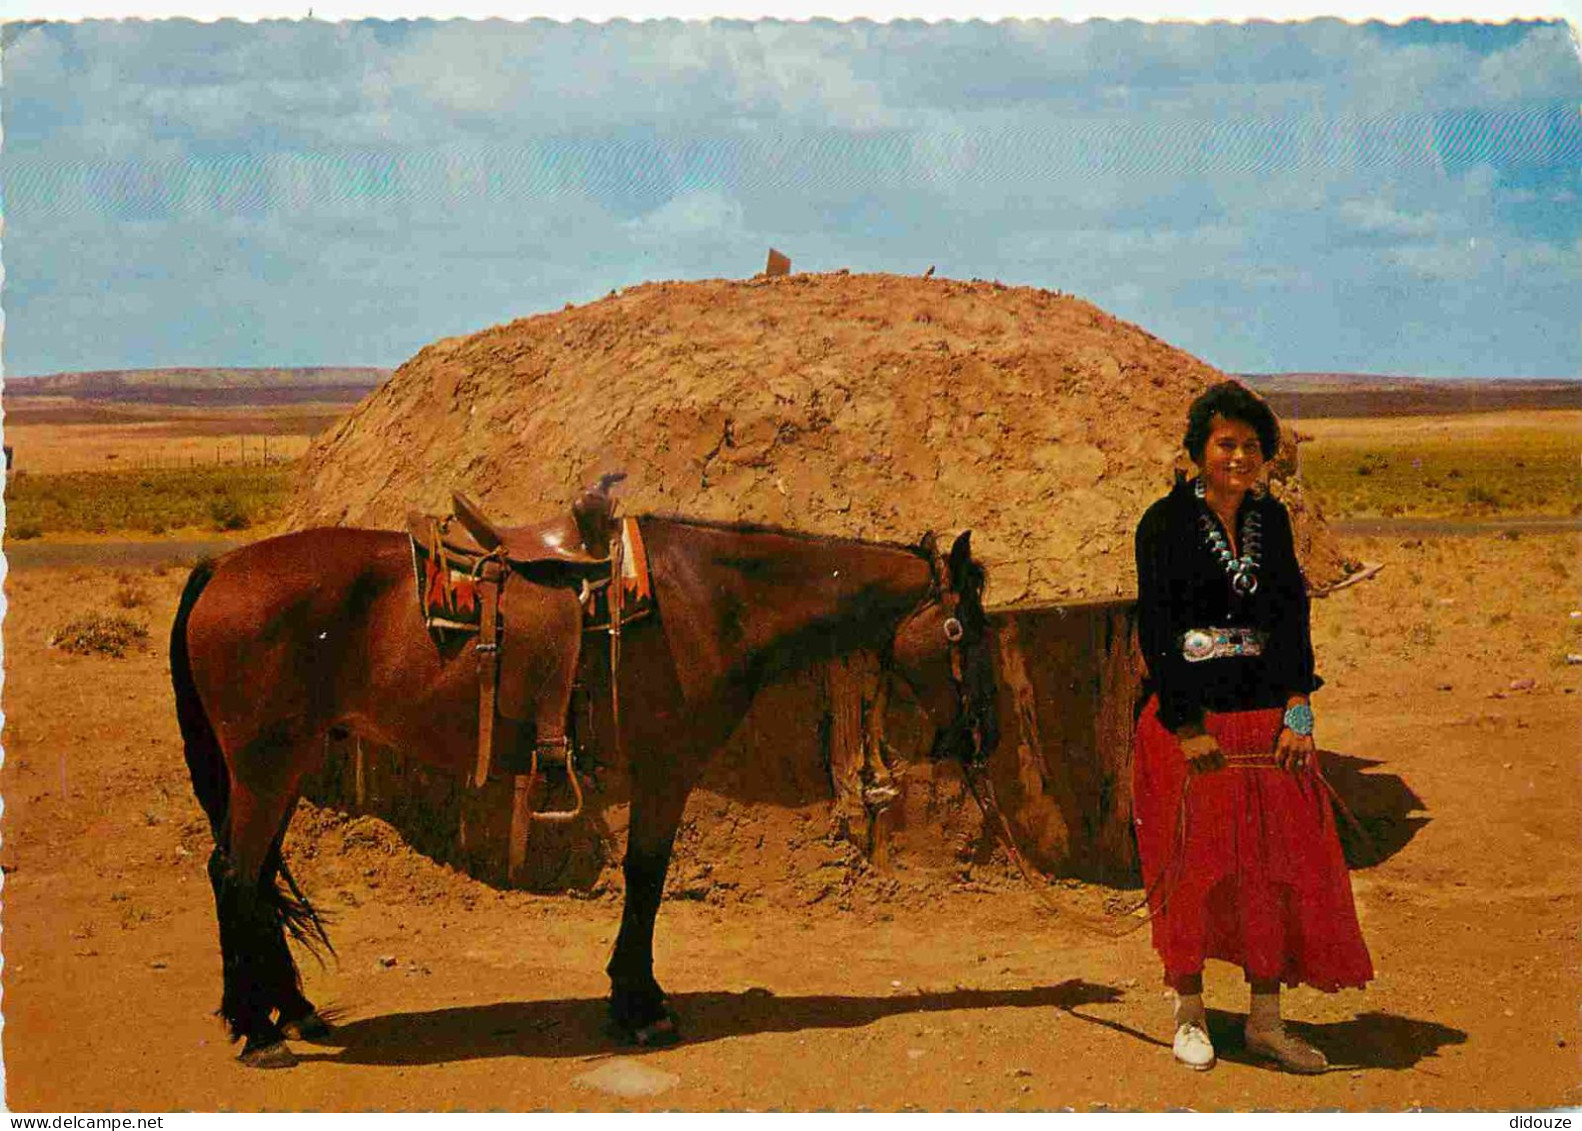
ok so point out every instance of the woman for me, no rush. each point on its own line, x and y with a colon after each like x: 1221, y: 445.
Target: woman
x: 1235, y: 829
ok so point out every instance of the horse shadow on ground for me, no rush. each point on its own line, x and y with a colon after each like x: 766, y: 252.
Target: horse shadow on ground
x: 578, y: 1026
x: 1369, y: 1040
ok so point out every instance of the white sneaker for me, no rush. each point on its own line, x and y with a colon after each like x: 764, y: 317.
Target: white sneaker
x: 1291, y: 1053
x: 1192, y: 1046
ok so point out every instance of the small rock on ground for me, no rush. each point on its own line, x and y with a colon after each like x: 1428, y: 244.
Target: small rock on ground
x: 628, y: 1079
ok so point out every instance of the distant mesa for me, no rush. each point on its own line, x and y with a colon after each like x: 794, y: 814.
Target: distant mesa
x: 211, y: 386
x: 1315, y: 395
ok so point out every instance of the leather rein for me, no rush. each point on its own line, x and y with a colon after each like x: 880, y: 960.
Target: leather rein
x: 940, y: 592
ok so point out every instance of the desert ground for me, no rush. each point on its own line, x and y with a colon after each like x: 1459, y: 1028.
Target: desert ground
x: 1449, y: 669
x: 66, y: 434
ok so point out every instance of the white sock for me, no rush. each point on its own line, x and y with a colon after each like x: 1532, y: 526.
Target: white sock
x: 1264, y: 1014
x: 1189, y: 1007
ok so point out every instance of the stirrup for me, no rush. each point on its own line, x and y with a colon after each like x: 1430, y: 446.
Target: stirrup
x: 878, y: 798
x: 556, y: 754
x: 560, y: 755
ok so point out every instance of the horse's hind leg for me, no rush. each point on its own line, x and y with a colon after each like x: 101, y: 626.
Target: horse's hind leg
x: 259, y: 974
x: 297, y: 1017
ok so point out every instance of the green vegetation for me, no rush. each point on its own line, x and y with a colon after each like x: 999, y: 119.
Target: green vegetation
x: 153, y: 502
x: 100, y: 634
x: 1454, y: 475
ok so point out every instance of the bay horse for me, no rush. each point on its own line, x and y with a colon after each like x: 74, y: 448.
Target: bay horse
x: 281, y: 645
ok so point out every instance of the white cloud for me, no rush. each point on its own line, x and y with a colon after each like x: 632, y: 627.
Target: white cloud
x: 709, y: 213
x: 1377, y: 218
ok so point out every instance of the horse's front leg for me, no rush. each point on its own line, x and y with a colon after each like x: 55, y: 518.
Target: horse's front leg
x: 637, y: 1004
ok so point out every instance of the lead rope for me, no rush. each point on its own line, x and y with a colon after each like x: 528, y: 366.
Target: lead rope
x: 1169, y: 876
x: 1164, y: 884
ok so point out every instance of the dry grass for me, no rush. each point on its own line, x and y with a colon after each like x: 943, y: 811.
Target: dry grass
x: 103, y: 634
x: 152, y: 502
x: 1510, y: 463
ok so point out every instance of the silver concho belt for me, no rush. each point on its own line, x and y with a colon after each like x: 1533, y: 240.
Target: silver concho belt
x: 1214, y: 643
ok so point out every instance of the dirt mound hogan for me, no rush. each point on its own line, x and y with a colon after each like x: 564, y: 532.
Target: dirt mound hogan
x: 870, y: 406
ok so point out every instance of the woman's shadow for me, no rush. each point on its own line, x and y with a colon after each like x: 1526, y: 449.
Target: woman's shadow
x: 1377, y: 814
x: 1369, y: 1040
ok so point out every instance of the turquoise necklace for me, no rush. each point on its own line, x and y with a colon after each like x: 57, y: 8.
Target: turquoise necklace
x: 1243, y: 571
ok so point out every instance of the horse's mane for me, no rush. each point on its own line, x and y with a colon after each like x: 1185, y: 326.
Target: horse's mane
x: 740, y: 527
x: 977, y: 574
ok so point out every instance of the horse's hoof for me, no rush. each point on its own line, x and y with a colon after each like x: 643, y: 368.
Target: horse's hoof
x: 656, y: 1034
x: 308, y: 1027
x: 276, y: 1055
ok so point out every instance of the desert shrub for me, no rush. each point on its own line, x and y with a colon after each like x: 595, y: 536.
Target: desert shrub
x: 227, y: 512
x: 100, y: 634
x: 22, y: 531
x: 1478, y: 496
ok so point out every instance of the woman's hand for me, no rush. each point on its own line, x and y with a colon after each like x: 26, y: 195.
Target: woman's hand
x: 1202, y: 752
x: 1293, y: 751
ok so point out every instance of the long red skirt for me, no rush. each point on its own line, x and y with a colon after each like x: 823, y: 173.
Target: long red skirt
x: 1257, y: 877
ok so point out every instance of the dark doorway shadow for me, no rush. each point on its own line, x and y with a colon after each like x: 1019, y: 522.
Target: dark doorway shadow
x: 1388, y: 812
x: 1369, y: 1040
x: 577, y: 1026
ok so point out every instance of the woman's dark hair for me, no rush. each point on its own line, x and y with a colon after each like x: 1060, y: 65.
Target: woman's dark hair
x: 1233, y: 401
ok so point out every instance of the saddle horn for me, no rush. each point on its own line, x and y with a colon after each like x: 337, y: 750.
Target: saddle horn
x: 594, y: 511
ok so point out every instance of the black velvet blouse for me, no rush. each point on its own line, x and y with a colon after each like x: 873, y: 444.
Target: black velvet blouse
x: 1181, y: 585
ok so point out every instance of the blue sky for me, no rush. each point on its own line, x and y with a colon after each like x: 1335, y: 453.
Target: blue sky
x: 1319, y: 196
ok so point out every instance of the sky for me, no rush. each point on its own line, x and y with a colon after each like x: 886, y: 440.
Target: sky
x: 1269, y: 196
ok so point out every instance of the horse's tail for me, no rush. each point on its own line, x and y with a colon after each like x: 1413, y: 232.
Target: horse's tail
x: 205, y: 760
x: 211, y: 779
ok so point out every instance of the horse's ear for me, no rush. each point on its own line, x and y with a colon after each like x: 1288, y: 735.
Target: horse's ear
x: 960, y: 559
x: 929, y: 545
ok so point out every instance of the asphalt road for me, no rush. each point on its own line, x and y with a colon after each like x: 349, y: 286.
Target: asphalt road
x: 34, y: 555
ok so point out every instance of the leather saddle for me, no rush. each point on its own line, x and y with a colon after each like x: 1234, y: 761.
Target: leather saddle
x: 525, y: 592
x: 581, y: 538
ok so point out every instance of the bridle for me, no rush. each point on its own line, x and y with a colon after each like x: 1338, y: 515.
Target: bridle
x: 969, y: 710
x: 969, y: 719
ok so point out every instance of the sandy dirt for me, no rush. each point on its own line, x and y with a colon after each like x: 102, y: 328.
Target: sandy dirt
x: 1447, y: 669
